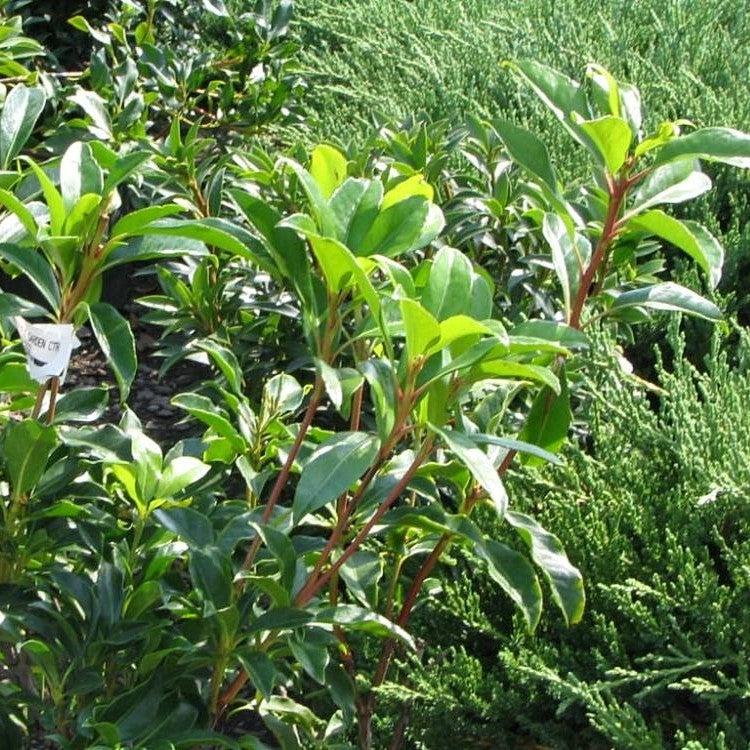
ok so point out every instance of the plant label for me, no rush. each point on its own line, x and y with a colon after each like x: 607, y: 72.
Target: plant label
x: 48, y: 348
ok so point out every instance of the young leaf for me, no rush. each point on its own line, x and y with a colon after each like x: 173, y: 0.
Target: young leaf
x: 547, y: 552
x: 179, y: 474
x: 21, y: 110
x: 116, y: 341
x: 327, y: 168
x: 421, y: 329
x: 612, y: 137
x: 411, y: 186
x: 333, y: 468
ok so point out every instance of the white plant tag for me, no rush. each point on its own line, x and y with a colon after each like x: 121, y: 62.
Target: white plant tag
x: 48, y: 348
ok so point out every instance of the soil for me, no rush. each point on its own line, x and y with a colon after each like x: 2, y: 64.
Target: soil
x: 150, y: 396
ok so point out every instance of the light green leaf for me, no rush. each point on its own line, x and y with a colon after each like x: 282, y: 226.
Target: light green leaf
x: 327, y: 168
x: 689, y: 236
x: 179, y: 474
x: 421, y: 328
x: 341, y: 269
x: 333, y: 468
x: 612, y: 137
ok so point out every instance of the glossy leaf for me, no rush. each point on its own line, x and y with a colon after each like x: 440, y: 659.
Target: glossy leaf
x: 528, y: 151
x: 26, y: 447
x: 689, y: 236
x: 667, y: 296
x: 712, y: 144
x: 612, y: 137
x: 333, y: 468
x: 478, y: 463
x: 548, y: 553
x: 35, y: 266
x: 327, y: 168
x: 516, y: 576
x: 20, y: 112
x: 548, y: 421
x: 116, y: 341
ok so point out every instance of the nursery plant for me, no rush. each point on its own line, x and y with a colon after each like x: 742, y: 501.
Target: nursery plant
x: 255, y: 584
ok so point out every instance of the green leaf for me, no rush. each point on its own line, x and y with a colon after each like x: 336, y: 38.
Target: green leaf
x: 352, y: 617
x: 116, y: 341
x: 571, y: 338
x: 561, y: 94
x: 411, y: 186
x: 448, y: 290
x: 548, y: 553
x: 123, y: 168
x: 528, y: 151
x: 671, y: 183
x: 478, y: 463
x: 81, y: 405
x: 282, y: 394
x: 136, y: 221
x: 187, y: 523
x: 261, y: 670
x: 35, y: 266
x: 341, y: 269
x: 420, y: 328
x: 205, y: 410
x: 548, y: 421
x: 212, y: 576
x: 508, y: 369
x: 396, y: 230
x: 95, y: 107
x: 365, y: 211
x: 327, y: 168
x: 179, y: 474
x: 565, y: 258
x: 319, y: 207
x: 512, y: 444
x: 689, y: 236
x: 52, y: 197
x: 333, y: 468
x: 80, y: 174
x: 712, y: 144
x: 226, y: 361
x: 25, y: 216
x: 516, y: 576
x: 667, y: 296
x: 21, y: 110
x: 612, y: 137
x: 27, y: 447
